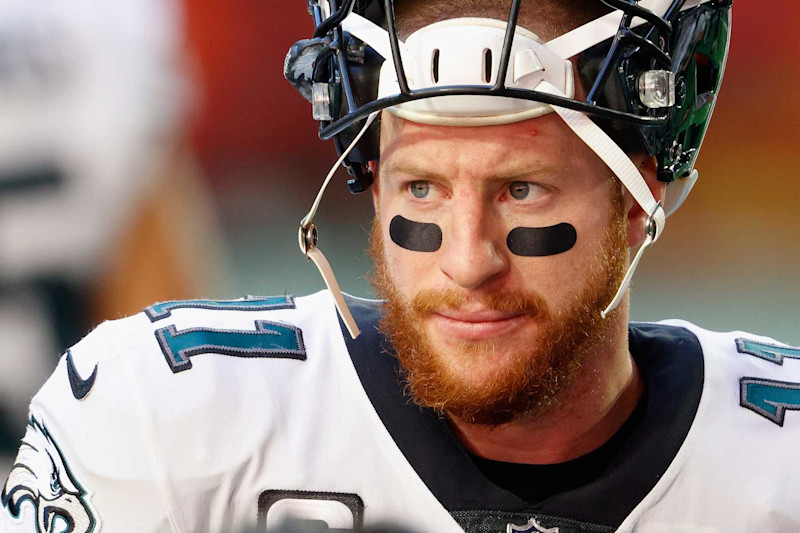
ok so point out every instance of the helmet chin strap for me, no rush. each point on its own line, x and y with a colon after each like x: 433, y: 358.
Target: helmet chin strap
x: 622, y: 167
x: 307, y: 239
x: 589, y: 132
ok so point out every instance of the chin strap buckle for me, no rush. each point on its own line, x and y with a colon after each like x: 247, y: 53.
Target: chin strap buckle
x: 654, y: 224
x: 308, y: 238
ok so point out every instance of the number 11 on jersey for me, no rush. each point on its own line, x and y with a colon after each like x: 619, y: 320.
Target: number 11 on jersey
x: 769, y: 398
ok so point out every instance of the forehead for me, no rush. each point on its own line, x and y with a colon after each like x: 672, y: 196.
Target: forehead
x: 544, y: 141
x: 547, y: 18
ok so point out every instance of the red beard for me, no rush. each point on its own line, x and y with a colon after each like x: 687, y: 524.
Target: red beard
x: 538, y: 369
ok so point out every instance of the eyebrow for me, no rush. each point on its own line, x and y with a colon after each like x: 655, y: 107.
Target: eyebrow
x: 422, y: 173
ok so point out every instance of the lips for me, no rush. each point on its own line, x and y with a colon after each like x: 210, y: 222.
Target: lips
x: 481, y: 315
x: 475, y: 325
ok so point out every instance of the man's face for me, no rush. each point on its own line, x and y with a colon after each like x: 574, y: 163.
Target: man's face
x: 485, y: 333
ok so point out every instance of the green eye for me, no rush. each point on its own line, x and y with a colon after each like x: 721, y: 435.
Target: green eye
x: 519, y: 190
x: 420, y: 189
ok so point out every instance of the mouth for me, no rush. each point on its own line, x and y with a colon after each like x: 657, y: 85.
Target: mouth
x: 477, y: 325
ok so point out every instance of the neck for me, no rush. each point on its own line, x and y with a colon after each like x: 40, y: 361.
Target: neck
x: 595, y: 405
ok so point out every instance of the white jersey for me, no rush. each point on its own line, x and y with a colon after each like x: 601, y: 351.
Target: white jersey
x: 206, y: 416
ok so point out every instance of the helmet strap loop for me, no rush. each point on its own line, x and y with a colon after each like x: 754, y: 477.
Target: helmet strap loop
x: 307, y: 238
x: 622, y: 167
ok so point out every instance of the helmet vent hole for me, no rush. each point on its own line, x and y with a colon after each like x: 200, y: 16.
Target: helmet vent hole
x: 487, y: 65
x: 706, y: 74
x: 435, y: 66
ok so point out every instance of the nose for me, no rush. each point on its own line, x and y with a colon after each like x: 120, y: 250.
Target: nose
x: 472, y: 253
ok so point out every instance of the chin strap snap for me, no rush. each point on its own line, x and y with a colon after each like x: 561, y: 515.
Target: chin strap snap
x: 308, y: 237
x: 622, y: 167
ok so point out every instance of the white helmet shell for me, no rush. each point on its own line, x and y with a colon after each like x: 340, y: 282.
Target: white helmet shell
x: 467, y: 51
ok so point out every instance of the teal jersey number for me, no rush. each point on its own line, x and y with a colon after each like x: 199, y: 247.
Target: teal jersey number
x: 251, y: 303
x: 769, y: 352
x: 268, y: 339
x: 769, y: 398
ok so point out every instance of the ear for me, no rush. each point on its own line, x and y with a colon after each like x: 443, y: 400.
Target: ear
x: 636, y: 216
x: 374, y: 168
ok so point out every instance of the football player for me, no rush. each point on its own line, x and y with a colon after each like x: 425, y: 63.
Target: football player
x: 515, y: 154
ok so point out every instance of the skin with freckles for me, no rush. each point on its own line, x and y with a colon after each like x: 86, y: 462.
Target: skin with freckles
x: 481, y: 319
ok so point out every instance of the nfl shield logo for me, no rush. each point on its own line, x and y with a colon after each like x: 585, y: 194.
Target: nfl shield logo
x: 531, y: 527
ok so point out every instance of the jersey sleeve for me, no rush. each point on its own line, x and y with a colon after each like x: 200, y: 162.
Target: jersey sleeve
x: 86, y: 462
x: 156, y: 422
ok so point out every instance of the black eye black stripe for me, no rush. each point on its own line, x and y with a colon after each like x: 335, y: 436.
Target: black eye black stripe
x: 415, y: 236
x: 540, y: 242
x: 526, y: 242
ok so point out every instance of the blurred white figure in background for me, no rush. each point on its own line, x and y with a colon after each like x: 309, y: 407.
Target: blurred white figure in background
x: 93, y: 107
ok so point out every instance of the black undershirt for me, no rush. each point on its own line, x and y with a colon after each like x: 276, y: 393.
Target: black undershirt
x: 535, y: 483
x: 671, y: 362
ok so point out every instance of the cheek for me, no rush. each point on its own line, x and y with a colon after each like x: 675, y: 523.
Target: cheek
x: 559, y: 277
x: 409, y: 271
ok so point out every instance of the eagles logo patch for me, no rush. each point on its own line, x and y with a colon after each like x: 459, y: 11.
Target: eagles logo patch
x: 40, y: 477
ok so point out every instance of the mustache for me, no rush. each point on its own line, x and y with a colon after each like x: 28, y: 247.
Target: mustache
x: 527, y: 302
